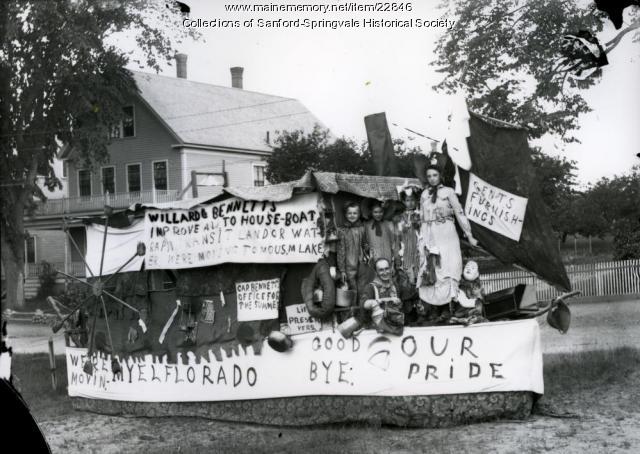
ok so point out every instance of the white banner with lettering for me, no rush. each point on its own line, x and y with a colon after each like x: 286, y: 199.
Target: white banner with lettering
x: 234, y: 230
x: 494, y: 208
x: 424, y: 361
x: 258, y: 300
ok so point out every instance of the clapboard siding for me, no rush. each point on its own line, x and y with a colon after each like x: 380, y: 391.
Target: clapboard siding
x: 239, y: 167
x: 49, y: 245
x: 152, y: 142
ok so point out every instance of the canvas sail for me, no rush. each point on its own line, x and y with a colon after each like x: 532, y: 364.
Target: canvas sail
x: 500, y: 156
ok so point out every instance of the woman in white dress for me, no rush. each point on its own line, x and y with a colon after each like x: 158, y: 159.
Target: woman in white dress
x: 440, y: 256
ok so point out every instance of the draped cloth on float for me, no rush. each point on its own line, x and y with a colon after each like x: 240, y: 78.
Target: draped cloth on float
x: 500, y: 155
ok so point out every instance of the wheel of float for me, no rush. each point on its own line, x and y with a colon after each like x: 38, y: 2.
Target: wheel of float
x: 97, y: 295
x: 319, y: 275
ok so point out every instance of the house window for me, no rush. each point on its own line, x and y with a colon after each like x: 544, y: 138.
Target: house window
x: 30, y: 249
x: 108, y: 180
x: 126, y: 127
x: 84, y: 183
x: 258, y: 175
x: 160, y: 175
x: 133, y: 178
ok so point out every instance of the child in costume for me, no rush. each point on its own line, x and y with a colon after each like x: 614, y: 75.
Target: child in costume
x: 380, y: 235
x: 467, y: 306
x: 407, y: 255
x: 352, y: 247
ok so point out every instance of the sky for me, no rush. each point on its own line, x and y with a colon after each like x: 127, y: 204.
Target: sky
x: 343, y: 75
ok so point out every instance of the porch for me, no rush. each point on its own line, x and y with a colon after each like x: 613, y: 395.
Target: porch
x: 93, y: 204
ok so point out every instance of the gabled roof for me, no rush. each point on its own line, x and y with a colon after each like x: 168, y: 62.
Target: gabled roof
x: 215, y: 116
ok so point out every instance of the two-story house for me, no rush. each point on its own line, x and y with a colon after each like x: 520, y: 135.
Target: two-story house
x: 174, y: 127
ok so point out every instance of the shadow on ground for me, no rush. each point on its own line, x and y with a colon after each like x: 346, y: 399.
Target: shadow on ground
x: 590, y: 405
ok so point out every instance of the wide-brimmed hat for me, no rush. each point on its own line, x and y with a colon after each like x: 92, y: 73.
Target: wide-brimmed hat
x: 559, y: 317
x: 409, y: 190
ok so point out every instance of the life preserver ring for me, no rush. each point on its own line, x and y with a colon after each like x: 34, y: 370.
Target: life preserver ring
x: 319, y: 274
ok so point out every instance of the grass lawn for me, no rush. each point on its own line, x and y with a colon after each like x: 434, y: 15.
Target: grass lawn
x: 598, y: 390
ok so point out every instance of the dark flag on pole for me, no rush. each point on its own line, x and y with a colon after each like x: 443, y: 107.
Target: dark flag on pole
x: 380, y: 144
x: 614, y: 9
x: 500, y: 156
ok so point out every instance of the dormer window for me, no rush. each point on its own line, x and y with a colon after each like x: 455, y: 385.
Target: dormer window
x: 126, y: 128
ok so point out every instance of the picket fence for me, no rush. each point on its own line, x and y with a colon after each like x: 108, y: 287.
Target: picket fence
x: 591, y: 279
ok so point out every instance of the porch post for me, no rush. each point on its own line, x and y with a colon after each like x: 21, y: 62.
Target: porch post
x: 66, y: 259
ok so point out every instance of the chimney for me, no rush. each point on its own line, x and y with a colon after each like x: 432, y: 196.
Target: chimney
x: 181, y: 66
x: 236, y: 76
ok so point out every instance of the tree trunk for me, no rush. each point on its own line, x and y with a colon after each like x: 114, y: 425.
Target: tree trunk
x: 14, y: 277
x: 12, y: 244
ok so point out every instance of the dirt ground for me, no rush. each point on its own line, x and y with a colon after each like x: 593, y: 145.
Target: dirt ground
x: 590, y: 405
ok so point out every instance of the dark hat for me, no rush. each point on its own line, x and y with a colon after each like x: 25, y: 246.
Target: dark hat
x: 435, y: 160
x: 332, y: 236
x: 279, y: 341
x: 409, y: 190
x: 559, y: 317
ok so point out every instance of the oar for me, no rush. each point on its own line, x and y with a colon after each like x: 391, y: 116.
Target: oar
x: 555, y: 301
x: 88, y: 366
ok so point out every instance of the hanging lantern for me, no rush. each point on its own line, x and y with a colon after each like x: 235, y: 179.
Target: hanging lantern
x: 141, y: 249
x: 208, y: 312
x: 88, y: 367
x: 115, y: 367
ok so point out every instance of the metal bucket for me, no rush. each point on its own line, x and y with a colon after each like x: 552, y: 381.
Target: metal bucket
x: 345, y: 298
x: 348, y: 327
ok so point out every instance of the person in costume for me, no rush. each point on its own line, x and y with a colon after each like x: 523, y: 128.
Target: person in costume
x: 380, y: 301
x: 439, y: 245
x: 352, y: 247
x: 407, y: 228
x: 380, y: 235
x: 407, y: 231
x: 468, y: 304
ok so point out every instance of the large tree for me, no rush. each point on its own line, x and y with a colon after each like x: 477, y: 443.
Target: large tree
x: 555, y: 178
x: 63, y: 81
x: 507, y: 57
x: 615, y: 200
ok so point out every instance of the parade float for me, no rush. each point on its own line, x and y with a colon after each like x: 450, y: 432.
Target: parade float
x: 183, y: 300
